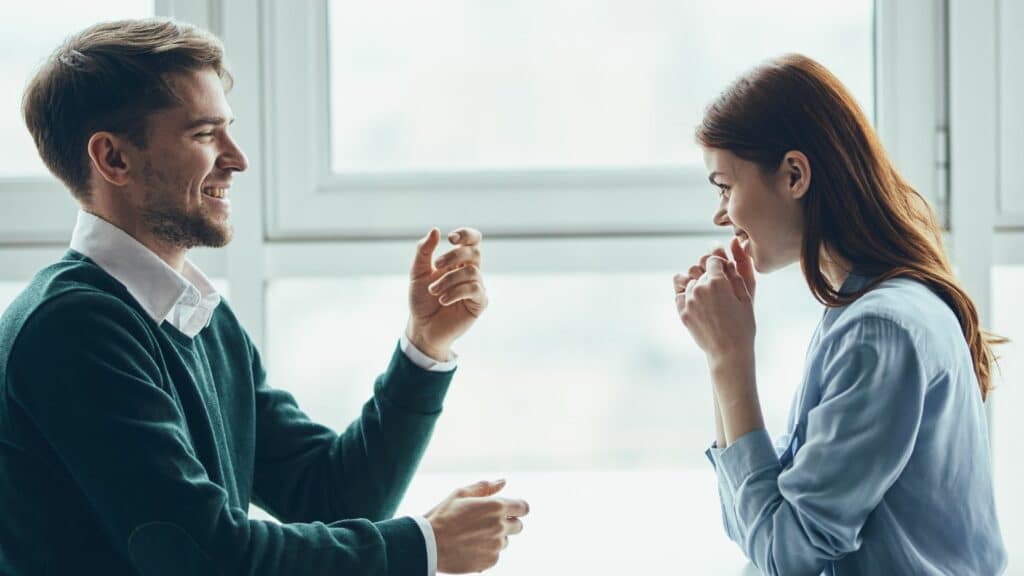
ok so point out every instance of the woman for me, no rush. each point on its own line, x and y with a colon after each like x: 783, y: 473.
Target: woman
x: 885, y: 468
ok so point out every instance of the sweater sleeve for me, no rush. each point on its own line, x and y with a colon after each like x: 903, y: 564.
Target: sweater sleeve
x: 86, y: 371
x: 305, y: 471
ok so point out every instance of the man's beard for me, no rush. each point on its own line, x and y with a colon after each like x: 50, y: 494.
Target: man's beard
x: 174, y: 225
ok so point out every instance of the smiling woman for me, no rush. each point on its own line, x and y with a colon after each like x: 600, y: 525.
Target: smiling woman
x: 889, y: 424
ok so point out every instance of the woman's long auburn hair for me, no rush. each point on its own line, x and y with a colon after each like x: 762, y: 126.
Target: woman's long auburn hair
x: 857, y: 207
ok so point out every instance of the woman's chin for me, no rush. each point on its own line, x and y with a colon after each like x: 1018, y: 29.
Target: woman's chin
x: 748, y: 248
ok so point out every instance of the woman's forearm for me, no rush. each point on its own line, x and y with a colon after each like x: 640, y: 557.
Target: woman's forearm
x: 719, y: 430
x: 736, y: 394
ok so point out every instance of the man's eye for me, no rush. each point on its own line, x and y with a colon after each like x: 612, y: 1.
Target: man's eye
x: 204, y: 134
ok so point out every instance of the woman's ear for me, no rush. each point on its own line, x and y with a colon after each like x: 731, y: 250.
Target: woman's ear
x: 798, y: 173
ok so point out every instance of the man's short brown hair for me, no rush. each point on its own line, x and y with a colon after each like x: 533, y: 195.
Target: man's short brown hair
x: 111, y: 77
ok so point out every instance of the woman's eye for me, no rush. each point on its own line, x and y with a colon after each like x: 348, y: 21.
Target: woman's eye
x: 722, y: 191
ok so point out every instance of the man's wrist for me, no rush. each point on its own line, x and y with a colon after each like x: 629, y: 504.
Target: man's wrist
x: 431, y: 543
x: 440, y: 353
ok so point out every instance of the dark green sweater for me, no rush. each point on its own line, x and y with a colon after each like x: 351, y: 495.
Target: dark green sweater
x: 128, y: 448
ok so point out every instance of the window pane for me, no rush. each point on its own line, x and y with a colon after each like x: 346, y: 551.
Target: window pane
x: 470, y: 84
x: 598, y: 364
x: 27, y: 35
x: 584, y: 390
x: 1007, y: 405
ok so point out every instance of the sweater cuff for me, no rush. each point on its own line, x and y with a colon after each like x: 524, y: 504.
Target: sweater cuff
x: 413, y: 388
x: 406, y: 549
x: 752, y: 452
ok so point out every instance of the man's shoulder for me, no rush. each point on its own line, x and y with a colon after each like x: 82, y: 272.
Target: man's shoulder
x: 70, y: 296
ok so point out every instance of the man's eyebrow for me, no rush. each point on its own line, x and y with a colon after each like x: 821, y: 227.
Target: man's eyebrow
x: 711, y: 178
x: 207, y: 120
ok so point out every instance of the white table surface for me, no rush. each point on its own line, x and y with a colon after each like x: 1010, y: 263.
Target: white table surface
x: 596, y: 523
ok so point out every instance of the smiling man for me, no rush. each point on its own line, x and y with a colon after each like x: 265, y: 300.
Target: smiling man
x: 136, y: 423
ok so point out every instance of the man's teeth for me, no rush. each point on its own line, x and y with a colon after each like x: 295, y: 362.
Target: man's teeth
x: 216, y: 192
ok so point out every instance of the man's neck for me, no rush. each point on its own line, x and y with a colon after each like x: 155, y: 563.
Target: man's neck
x: 134, y: 227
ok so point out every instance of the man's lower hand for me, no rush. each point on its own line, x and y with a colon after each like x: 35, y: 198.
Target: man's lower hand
x: 472, y: 527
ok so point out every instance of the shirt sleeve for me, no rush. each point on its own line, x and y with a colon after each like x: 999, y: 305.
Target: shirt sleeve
x: 428, y: 537
x: 426, y: 362
x: 725, y: 495
x: 858, y: 440
x: 85, y: 370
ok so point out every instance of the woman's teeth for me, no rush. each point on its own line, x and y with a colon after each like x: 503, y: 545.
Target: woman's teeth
x: 216, y: 192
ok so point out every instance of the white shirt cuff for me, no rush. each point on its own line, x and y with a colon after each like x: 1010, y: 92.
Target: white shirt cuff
x: 426, y: 362
x: 428, y: 537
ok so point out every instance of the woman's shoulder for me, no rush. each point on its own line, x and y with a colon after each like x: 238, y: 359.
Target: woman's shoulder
x: 904, y: 306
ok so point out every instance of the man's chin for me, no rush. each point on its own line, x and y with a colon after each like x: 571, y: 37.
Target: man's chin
x: 220, y: 236
x: 209, y: 234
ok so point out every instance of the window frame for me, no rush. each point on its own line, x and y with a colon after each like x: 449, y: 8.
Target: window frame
x: 40, y: 211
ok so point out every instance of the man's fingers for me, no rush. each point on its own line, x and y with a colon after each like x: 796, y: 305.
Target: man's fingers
x: 696, y: 271
x: 424, y: 252
x: 459, y: 256
x: 515, y: 508
x: 465, y: 274
x: 513, y: 525
x: 481, y: 488
x: 465, y: 236
x: 472, y: 290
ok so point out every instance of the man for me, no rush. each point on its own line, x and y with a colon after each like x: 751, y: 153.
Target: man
x: 136, y: 425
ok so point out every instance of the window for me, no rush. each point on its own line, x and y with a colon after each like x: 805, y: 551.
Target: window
x: 28, y: 38
x: 36, y: 207
x: 598, y: 363
x: 1007, y: 403
x: 580, y: 387
x: 463, y: 85
x: 531, y: 118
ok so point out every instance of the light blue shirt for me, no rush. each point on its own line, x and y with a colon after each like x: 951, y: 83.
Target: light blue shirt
x: 886, y: 468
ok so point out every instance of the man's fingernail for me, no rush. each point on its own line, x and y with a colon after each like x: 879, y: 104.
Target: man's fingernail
x: 454, y: 237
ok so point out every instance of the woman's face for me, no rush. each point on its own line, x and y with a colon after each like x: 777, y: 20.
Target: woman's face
x: 763, y: 209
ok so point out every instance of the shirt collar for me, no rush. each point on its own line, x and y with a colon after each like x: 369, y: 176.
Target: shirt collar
x: 855, y: 280
x: 157, y: 287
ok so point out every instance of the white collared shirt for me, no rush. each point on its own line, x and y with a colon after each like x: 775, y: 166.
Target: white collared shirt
x: 187, y: 301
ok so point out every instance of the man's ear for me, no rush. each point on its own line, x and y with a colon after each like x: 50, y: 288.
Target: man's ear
x: 797, y: 170
x: 108, y: 154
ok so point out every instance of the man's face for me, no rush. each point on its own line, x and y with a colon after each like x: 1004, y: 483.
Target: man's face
x: 187, y: 165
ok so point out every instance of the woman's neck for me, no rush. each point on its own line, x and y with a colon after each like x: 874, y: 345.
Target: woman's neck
x: 835, y: 268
